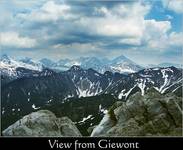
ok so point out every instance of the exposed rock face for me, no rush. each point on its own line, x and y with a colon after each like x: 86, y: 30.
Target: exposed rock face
x: 150, y: 115
x: 42, y: 123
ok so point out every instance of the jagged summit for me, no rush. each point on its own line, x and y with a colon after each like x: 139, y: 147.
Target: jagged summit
x: 120, y: 64
x: 75, y: 68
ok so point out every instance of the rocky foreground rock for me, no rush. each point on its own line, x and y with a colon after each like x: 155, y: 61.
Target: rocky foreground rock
x: 150, y: 115
x: 42, y: 123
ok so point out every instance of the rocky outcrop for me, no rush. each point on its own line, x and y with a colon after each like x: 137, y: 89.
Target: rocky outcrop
x: 153, y: 114
x: 42, y: 123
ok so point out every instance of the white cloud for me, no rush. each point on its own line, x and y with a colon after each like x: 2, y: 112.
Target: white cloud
x: 176, y: 39
x: 157, y: 37
x: 111, y: 26
x: 167, y: 41
x: 155, y: 30
x: 25, y: 4
x: 50, y: 11
x: 174, y: 5
x: 79, y: 47
x: 13, y: 39
x: 130, y: 41
x: 123, y: 20
x: 127, y: 23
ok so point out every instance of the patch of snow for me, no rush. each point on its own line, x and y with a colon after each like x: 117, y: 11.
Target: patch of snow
x: 97, y: 74
x: 34, y: 107
x: 141, y: 84
x: 76, y: 63
x: 11, y: 66
x: 156, y: 69
x: 92, y: 118
x: 176, y: 88
x: 157, y: 89
x: 166, y: 81
x: 171, y: 86
x: 69, y: 96
x: 121, y: 69
x: 98, y: 129
x: 125, y: 94
x: 92, y: 88
x: 179, y: 108
x: 102, y: 110
x: 85, y: 118
x: 84, y: 93
x: 142, y: 75
x: 74, y: 77
x: 49, y: 101
x: 3, y: 111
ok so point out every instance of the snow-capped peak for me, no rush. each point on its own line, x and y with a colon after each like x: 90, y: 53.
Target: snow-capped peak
x: 9, y: 65
x: 75, y: 68
x: 120, y: 59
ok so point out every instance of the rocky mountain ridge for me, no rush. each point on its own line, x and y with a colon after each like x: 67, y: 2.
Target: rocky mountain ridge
x: 150, y: 115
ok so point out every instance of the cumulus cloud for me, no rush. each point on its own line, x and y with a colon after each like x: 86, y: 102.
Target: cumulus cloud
x: 127, y: 23
x: 81, y: 48
x: 92, y: 28
x: 155, y: 31
x: 13, y: 39
x: 174, y: 5
x: 123, y: 20
x: 130, y: 41
x: 50, y: 11
x: 176, y: 39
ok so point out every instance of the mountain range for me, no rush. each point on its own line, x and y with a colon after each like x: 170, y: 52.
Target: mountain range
x: 27, y: 86
x: 120, y: 64
x: 164, y: 65
x: 48, y: 88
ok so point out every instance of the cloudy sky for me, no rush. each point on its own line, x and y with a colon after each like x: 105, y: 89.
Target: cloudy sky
x: 148, y: 32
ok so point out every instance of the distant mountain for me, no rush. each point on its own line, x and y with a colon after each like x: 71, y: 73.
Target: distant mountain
x: 165, y: 65
x: 28, y: 85
x: 120, y: 64
x: 12, y: 69
x: 170, y: 64
x: 47, y: 62
x: 35, y: 65
x: 10, y: 66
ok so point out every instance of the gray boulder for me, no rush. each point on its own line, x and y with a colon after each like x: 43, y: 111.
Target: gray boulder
x: 42, y: 123
x: 153, y: 114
